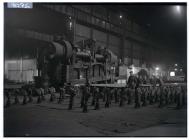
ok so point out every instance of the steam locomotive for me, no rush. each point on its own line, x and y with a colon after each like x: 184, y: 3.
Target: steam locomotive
x: 63, y: 62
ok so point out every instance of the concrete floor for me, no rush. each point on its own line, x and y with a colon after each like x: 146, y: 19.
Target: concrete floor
x: 52, y: 119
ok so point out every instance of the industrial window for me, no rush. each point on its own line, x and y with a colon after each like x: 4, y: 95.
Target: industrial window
x: 69, y: 10
x: 127, y: 52
x: 82, y: 30
x: 20, y: 70
x: 85, y: 8
x: 128, y: 25
x: 107, y: 25
x: 100, y: 36
x: 114, y: 18
x: 100, y: 12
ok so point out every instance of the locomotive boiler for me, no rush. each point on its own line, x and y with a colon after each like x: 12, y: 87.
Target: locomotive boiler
x: 63, y: 62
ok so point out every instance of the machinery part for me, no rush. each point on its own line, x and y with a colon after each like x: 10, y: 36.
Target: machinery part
x: 52, y: 61
x: 99, y: 57
x: 113, y: 57
x: 84, y: 56
x: 63, y: 49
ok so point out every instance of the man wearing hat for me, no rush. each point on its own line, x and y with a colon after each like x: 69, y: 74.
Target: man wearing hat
x: 131, y: 84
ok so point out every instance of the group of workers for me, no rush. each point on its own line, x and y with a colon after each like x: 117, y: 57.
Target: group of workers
x: 133, y: 93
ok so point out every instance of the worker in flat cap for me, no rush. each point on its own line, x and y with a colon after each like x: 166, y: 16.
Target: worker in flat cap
x: 131, y: 84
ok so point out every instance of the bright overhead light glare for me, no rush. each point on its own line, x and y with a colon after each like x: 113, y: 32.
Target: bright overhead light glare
x: 157, y: 68
x: 120, y: 16
x: 172, y: 73
x: 178, y: 8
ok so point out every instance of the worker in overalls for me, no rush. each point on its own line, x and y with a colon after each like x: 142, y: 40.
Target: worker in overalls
x: 156, y: 94
x: 141, y: 98
x: 179, y: 97
x: 42, y: 94
x: 107, y: 97
x: 144, y: 96
x: 111, y: 94
x: 30, y: 94
x: 151, y: 95
x: 161, y: 97
x: 39, y: 99
x: 138, y: 97
x: 82, y: 96
x: 24, y: 92
x: 86, y: 98
x: 184, y: 97
x: 171, y: 95
x: 8, y: 96
x: 131, y: 84
x: 122, y: 96
x: 167, y: 95
x: 129, y: 95
x: 72, y: 94
x: 104, y: 93
x: 148, y: 94
x: 62, y: 94
x: 52, y: 94
x: 93, y: 95
x: 115, y: 92
x: 97, y: 97
x: 175, y: 94
x: 118, y: 94
x: 16, y: 100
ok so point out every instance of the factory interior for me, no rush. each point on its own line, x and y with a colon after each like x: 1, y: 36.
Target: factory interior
x: 111, y: 69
